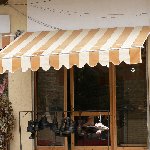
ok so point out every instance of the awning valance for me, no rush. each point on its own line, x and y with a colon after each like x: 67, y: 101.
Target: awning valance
x: 74, y: 47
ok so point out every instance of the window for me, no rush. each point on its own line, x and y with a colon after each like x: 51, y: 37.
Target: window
x: 91, y: 96
x: 86, y: 92
x: 132, y: 103
x: 50, y: 99
x: 91, y: 88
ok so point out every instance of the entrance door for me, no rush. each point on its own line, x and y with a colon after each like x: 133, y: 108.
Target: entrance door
x: 90, y: 104
x: 84, y: 93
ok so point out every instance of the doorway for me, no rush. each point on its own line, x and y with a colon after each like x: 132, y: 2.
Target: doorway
x: 114, y: 96
x: 84, y: 93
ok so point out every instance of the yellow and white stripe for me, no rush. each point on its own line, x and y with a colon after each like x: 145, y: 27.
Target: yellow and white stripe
x: 73, y: 47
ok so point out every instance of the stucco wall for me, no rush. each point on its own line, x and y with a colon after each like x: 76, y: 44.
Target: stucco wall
x: 19, y: 83
x: 18, y: 21
x: 20, y: 96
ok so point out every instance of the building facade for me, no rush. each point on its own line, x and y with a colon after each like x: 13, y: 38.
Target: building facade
x: 23, y: 93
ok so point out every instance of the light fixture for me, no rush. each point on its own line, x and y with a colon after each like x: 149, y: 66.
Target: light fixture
x: 132, y: 69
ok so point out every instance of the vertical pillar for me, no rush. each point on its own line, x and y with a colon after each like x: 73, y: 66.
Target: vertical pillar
x: 148, y: 90
x: 20, y: 94
x: 112, y: 86
x: 65, y: 103
x: 72, y: 102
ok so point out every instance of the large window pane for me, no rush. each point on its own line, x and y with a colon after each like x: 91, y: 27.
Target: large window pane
x: 131, y: 103
x: 92, y: 88
x: 91, y: 94
x: 50, y: 93
x: 85, y: 134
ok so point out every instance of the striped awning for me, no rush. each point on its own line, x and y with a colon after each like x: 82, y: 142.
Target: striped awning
x: 5, y: 39
x: 74, y: 47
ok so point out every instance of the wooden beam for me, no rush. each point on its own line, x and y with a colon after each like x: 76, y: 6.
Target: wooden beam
x: 89, y: 148
x: 112, y: 85
x: 35, y: 100
x: 77, y: 113
x: 106, y: 148
x: 148, y: 88
x: 133, y: 145
x: 72, y: 103
x: 50, y: 148
x: 65, y: 104
x: 131, y: 148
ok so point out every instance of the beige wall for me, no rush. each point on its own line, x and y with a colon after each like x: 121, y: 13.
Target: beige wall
x: 19, y: 83
x: 21, y: 98
x: 18, y: 21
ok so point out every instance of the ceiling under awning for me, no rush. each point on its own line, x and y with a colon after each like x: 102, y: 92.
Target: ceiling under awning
x: 74, y: 47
